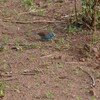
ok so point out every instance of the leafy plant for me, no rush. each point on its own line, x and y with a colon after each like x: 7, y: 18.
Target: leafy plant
x: 33, y: 45
x: 40, y: 12
x: 71, y: 28
x: 58, y: 46
x: 91, y: 15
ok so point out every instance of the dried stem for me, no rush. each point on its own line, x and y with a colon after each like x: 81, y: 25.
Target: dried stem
x: 75, y: 3
x: 92, y: 78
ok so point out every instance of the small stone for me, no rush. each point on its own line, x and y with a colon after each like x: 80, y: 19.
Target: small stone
x: 97, y: 67
x: 95, y: 50
x: 81, y: 59
x: 87, y: 47
x: 62, y: 77
x: 98, y: 57
x: 26, y: 70
x: 91, y: 92
x: 98, y: 80
x: 18, y: 91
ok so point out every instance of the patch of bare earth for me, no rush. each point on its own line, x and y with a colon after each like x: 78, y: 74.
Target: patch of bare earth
x: 65, y: 68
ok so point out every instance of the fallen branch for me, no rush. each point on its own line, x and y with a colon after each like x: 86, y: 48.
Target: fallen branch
x: 92, y: 78
x: 34, y: 14
x: 47, y: 56
x: 8, y: 79
x: 36, y: 21
x: 4, y: 75
x: 27, y: 73
x: 72, y: 15
x: 30, y: 72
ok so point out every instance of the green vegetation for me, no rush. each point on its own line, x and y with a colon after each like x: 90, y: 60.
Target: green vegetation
x: 49, y: 95
x: 91, y: 15
x: 28, y: 2
x: 2, y: 88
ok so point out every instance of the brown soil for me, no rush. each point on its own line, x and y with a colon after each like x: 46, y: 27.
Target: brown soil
x: 65, y: 68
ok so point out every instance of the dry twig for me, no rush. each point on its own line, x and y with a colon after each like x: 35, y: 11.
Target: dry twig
x: 8, y: 79
x: 36, y: 21
x: 47, y: 56
x: 92, y: 78
x: 27, y: 73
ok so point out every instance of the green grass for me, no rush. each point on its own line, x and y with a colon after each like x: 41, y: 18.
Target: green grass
x: 4, y: 40
x: 79, y: 98
x: 2, y: 48
x: 28, y: 2
x: 49, y: 95
x: 4, y: 65
x: 2, y: 88
x: 93, y: 98
x: 58, y: 47
x: 98, y: 75
x: 16, y: 86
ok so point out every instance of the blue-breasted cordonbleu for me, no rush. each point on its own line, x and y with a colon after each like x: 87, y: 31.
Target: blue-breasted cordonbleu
x: 46, y: 35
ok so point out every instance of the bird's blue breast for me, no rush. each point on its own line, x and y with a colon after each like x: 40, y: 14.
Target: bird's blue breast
x: 48, y: 36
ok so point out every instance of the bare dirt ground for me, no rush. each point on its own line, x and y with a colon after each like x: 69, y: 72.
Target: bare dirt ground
x: 61, y: 69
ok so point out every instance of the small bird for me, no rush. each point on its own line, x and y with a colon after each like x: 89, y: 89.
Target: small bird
x: 46, y: 35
